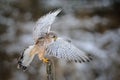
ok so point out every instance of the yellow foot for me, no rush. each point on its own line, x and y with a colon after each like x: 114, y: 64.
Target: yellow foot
x: 45, y: 60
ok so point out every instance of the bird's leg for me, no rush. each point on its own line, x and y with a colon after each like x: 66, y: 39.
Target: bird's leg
x: 45, y: 60
x: 41, y: 57
x: 34, y: 50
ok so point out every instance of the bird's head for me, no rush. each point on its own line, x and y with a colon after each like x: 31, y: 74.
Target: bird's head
x: 41, y: 38
x: 52, y: 35
x: 25, y: 59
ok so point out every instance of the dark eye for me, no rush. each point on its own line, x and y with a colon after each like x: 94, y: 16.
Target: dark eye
x: 41, y: 38
x: 54, y: 36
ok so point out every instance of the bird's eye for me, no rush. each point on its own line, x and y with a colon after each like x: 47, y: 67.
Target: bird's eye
x: 41, y: 38
x: 54, y: 36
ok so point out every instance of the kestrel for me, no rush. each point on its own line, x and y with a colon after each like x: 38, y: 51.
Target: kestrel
x: 48, y: 43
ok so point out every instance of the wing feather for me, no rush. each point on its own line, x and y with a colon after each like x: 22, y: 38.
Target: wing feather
x: 63, y: 49
x: 43, y: 24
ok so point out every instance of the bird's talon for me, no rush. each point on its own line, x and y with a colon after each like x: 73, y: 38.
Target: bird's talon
x: 45, y: 60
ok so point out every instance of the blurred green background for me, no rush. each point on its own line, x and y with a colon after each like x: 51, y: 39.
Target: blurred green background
x: 92, y: 25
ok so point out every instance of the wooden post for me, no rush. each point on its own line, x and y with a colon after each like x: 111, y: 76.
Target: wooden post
x: 50, y: 70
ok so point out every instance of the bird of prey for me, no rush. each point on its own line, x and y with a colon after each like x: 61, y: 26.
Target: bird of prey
x: 47, y: 42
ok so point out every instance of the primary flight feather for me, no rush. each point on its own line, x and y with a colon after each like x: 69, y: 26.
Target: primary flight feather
x: 43, y: 25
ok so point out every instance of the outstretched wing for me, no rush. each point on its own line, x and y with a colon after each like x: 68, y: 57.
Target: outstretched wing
x: 63, y: 49
x: 43, y: 24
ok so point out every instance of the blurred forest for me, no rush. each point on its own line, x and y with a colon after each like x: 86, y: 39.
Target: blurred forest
x: 92, y: 25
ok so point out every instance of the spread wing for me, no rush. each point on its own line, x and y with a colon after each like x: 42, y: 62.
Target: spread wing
x: 43, y: 24
x: 63, y: 49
